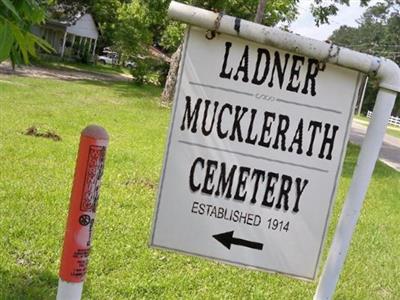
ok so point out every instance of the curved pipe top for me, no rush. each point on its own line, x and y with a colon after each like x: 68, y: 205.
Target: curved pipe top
x: 386, y: 70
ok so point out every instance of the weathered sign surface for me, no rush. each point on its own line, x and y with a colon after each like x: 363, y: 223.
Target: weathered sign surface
x: 255, y: 149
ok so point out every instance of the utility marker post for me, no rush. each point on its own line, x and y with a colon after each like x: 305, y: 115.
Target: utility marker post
x: 192, y: 215
x: 82, y: 212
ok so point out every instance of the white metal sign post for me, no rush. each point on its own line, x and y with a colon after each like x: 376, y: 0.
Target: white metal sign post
x: 257, y: 139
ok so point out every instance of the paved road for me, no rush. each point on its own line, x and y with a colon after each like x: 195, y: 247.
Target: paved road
x: 390, y: 151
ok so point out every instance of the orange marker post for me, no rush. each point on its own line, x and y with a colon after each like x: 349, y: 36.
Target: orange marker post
x: 82, y: 211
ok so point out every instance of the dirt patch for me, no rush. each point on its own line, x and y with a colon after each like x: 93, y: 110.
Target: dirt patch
x: 41, y: 72
x: 144, y: 182
x: 48, y: 134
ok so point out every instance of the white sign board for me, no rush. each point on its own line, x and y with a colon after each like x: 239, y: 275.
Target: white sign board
x: 256, y: 144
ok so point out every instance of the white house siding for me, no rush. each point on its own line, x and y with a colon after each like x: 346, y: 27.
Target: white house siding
x: 85, y: 27
x: 62, y: 36
x: 36, y: 30
x: 54, y: 36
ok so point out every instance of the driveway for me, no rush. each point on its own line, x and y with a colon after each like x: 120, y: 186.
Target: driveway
x: 62, y: 74
x: 390, y: 151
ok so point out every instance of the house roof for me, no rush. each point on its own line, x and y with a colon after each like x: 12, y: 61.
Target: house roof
x: 65, y: 15
x: 72, y: 20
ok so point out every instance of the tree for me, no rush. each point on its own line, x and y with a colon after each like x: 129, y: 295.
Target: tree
x: 276, y: 11
x: 378, y: 35
x: 262, y: 4
x: 106, y: 13
x: 16, y: 18
x: 132, y: 35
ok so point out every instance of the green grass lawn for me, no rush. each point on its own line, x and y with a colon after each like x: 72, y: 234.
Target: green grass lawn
x: 391, y: 130
x: 35, y: 183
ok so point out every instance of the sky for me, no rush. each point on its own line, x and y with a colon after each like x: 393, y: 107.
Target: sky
x: 347, y: 15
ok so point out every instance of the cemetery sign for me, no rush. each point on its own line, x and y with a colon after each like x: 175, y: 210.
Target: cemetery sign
x: 256, y: 144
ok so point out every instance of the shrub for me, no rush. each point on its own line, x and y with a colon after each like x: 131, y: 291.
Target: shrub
x: 85, y: 55
x: 150, y: 70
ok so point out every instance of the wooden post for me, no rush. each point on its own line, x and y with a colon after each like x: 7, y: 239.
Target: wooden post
x: 63, y: 44
x: 72, y: 45
x: 80, y: 44
x: 90, y: 45
x: 260, y: 11
x: 84, y: 47
x: 364, y: 87
x: 94, y: 47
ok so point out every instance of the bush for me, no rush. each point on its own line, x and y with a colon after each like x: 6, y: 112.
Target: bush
x: 85, y: 56
x: 150, y: 70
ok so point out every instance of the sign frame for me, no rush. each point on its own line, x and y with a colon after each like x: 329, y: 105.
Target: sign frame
x: 386, y: 71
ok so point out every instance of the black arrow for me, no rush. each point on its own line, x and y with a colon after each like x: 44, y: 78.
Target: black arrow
x: 227, y: 240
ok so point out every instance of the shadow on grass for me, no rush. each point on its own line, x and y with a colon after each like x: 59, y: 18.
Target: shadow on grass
x: 126, y: 89
x: 33, y: 285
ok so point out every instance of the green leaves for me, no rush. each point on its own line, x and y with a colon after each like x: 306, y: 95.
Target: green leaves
x: 43, y: 44
x: 8, y: 4
x: 22, y: 43
x: 16, y: 40
x: 6, y: 40
x: 132, y: 34
x: 377, y: 34
x: 321, y: 14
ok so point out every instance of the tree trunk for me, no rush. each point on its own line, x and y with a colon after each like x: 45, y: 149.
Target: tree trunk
x: 260, y: 11
x: 167, y: 96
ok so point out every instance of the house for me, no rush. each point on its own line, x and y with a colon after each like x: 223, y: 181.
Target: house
x: 70, y: 36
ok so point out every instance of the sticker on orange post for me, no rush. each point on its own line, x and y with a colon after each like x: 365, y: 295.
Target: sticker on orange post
x: 83, y: 203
